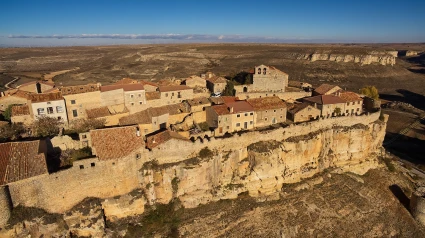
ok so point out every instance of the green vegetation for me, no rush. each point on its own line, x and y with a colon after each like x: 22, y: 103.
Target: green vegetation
x: 337, y: 111
x: 47, y: 126
x: 229, y: 90
x: 205, y: 153
x: 11, y: 131
x: 204, y: 126
x: 370, y: 91
x: 7, y: 114
x: 175, y: 184
x: 68, y: 156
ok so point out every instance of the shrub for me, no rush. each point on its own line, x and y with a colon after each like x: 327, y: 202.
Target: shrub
x: 370, y: 91
x: 68, y: 156
x: 47, y: 126
x: 204, y: 126
x: 7, y: 114
x: 11, y: 131
x: 175, y: 184
x: 229, y: 90
x: 205, y: 153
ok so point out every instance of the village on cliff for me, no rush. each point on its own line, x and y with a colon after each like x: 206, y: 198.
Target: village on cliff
x: 137, y: 115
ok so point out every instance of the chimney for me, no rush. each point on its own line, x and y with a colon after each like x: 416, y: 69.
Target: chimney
x: 1, y: 94
x: 231, y: 109
x: 137, y: 131
x: 209, y: 75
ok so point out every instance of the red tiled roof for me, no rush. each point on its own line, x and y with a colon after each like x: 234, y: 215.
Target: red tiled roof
x: 125, y: 87
x: 115, y: 143
x: 173, y: 88
x: 198, y: 101
x: 240, y: 106
x: 20, y: 110
x: 98, y: 112
x: 21, y: 160
x: 349, y: 96
x: 221, y: 109
x: 162, y: 137
x: 145, y: 116
x: 324, y: 99
x: 217, y: 79
x: 294, y: 108
x: 324, y: 88
x: 46, y: 97
x: 266, y: 103
x: 68, y: 90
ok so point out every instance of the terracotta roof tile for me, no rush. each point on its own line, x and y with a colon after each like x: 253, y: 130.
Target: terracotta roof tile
x: 68, y: 90
x: 349, y: 96
x: 145, y: 116
x: 240, y: 106
x: 217, y: 79
x: 198, y: 101
x: 324, y: 99
x: 98, y: 112
x: 174, y: 88
x: 324, y: 88
x: 46, y: 97
x: 221, y: 109
x: 20, y: 110
x: 266, y: 103
x: 294, y: 108
x: 115, y: 143
x: 21, y: 160
x: 162, y: 137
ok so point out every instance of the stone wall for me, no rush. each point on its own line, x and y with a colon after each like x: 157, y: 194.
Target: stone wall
x: 83, y: 101
x: 5, y: 205
x: 5, y: 101
x: 238, y: 164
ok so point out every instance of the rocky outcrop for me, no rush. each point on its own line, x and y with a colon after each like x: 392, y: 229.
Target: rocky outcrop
x: 373, y: 58
x: 411, y: 53
x: 263, y: 168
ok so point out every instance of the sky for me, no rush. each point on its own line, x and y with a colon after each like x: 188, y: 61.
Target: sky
x: 97, y: 22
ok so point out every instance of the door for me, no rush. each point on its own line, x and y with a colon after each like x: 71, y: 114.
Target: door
x: 220, y: 130
x: 245, y: 125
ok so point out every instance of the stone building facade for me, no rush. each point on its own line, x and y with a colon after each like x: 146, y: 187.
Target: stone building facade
x: 36, y: 87
x: 80, y: 98
x: 11, y: 97
x: 302, y: 112
x: 268, y: 111
x: 48, y: 104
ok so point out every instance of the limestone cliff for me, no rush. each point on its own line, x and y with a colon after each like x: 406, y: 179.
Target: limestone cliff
x: 264, y: 167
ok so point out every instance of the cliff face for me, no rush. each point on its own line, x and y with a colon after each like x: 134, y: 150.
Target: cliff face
x: 263, y: 168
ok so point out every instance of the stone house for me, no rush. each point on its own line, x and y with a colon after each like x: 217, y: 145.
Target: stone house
x: 22, y: 160
x: 231, y: 117
x: 21, y: 114
x: 329, y: 105
x: 268, y: 111
x: 36, y: 86
x: 131, y: 95
x: 163, y: 140
x: 112, y: 114
x: 354, y: 103
x: 80, y: 98
x: 269, y: 78
x: 198, y: 104
x: 149, y: 86
x: 11, y: 97
x: 48, y: 104
x: 301, y: 112
x: 167, y: 95
x: 326, y: 89
x: 195, y: 81
x: 215, y: 84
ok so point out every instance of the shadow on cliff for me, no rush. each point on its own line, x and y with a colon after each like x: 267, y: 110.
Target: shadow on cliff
x: 419, y: 62
x: 415, y: 99
x: 407, y: 148
x: 400, y: 195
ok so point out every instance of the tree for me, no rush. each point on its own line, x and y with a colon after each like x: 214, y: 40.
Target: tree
x: 229, y: 90
x: 84, y: 125
x: 7, y: 114
x: 11, y: 131
x: 370, y: 91
x: 337, y: 111
x: 47, y: 126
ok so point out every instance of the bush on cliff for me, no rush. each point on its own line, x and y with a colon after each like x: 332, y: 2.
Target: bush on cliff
x: 370, y: 91
x: 205, y: 153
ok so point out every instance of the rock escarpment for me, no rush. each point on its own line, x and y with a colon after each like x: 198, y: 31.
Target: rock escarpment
x: 263, y: 168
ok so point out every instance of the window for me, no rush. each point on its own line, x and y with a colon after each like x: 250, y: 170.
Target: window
x: 274, y: 110
x: 132, y: 104
x: 227, y: 127
x: 348, y: 104
x: 49, y: 103
x: 353, y: 103
x: 172, y: 94
x: 346, y: 111
x: 59, y: 109
x: 131, y: 95
x: 239, y: 115
x: 50, y: 110
x: 40, y: 111
x: 251, y: 113
x: 166, y: 94
x: 259, y: 71
x: 84, y: 136
x: 264, y: 71
x: 140, y: 102
x: 81, y: 166
x: 238, y: 124
x: 72, y: 101
x: 75, y: 113
x: 281, y: 117
x: 358, y: 102
x: 92, y: 164
x: 140, y: 95
x: 358, y: 109
x: 246, y: 114
x: 251, y: 122
x: 138, y: 156
x: 266, y: 111
x: 265, y: 118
